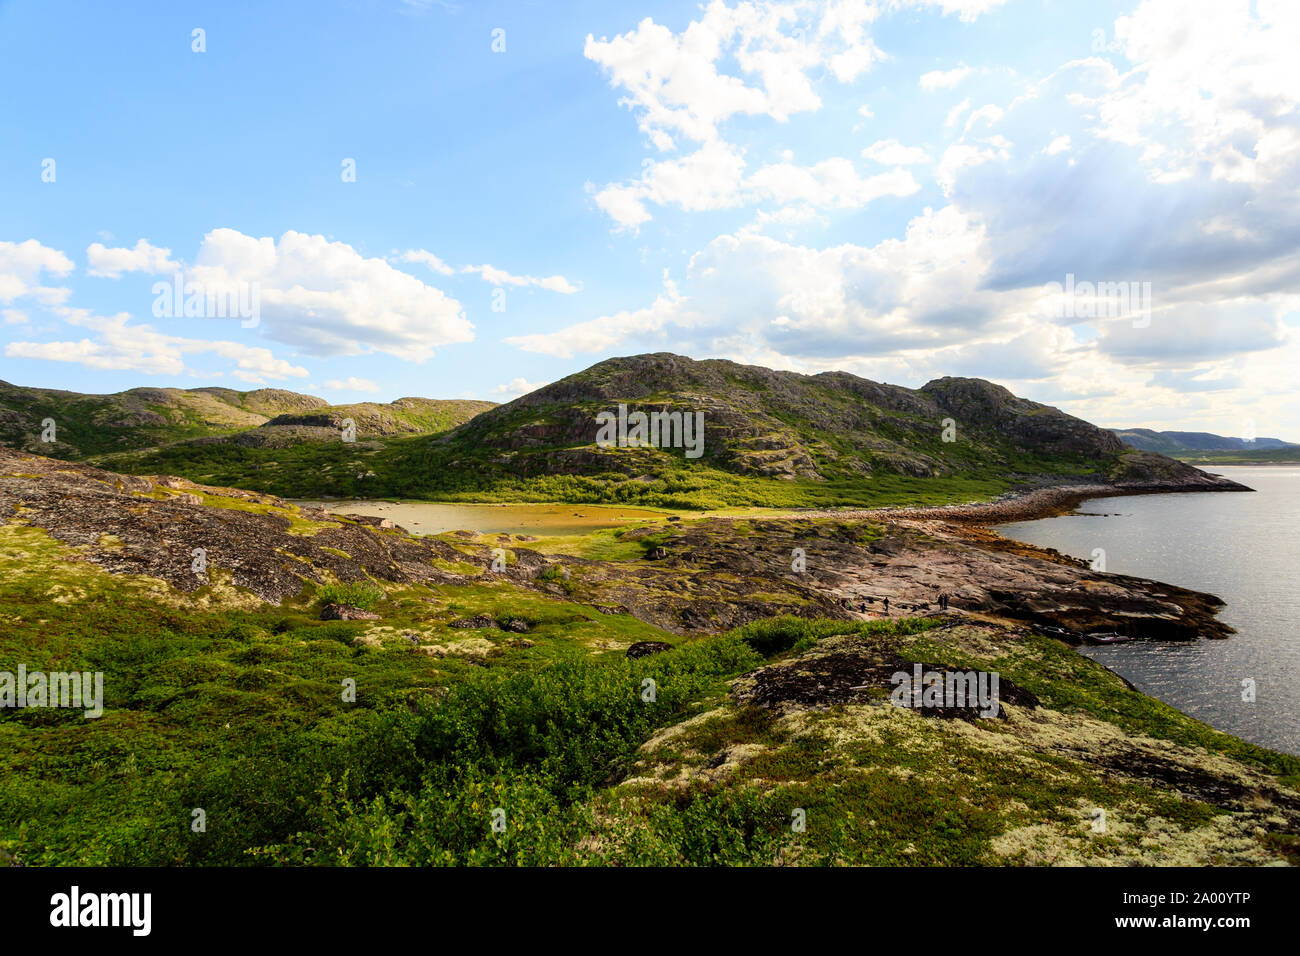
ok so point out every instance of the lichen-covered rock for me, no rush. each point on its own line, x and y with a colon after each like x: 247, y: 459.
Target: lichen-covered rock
x: 346, y: 612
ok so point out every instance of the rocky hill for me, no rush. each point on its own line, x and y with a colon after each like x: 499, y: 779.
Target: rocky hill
x: 787, y: 426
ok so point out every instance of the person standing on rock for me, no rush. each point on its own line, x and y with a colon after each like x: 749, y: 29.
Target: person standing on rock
x: 886, y: 607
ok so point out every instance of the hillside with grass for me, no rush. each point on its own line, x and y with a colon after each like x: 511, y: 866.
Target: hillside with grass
x: 184, y: 425
x: 774, y: 439
x: 625, y: 709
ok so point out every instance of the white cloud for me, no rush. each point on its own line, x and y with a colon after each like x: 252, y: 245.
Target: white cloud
x: 989, y: 114
x: 143, y: 257
x: 943, y: 79
x: 1060, y: 144
x: 1219, y: 90
x: 327, y: 299
x: 713, y: 178
x: 890, y: 152
x: 709, y: 178
x: 501, y: 277
x: 966, y: 10
x: 806, y: 301
x: 755, y: 58
x: 955, y: 113
x: 602, y: 334
x: 961, y: 155
x: 830, y: 183
x: 492, y: 274
x: 351, y: 384
x: 429, y: 259
x: 119, y: 345
x: 22, y: 265
x: 516, y: 387
x: 674, y: 83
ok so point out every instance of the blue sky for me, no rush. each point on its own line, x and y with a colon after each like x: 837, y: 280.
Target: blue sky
x: 890, y: 188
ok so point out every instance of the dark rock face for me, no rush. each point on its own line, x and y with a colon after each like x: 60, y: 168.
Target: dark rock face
x: 719, y: 574
x: 127, y: 524
x: 346, y: 612
x: 860, y: 675
x: 511, y: 625
x: 647, y: 648
x: 480, y: 620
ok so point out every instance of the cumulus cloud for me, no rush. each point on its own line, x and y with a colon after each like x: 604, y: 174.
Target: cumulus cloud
x: 1060, y: 144
x: 428, y: 259
x: 492, y: 274
x: 890, y: 152
x: 22, y: 266
x: 805, y: 301
x: 516, y: 387
x: 956, y: 112
x: 120, y: 345
x: 713, y: 178
x: 674, y: 84
x: 604, y: 333
x: 755, y: 58
x: 327, y: 299
x: 943, y: 79
x: 1193, y: 99
x: 143, y: 257
x: 501, y: 277
x: 351, y: 384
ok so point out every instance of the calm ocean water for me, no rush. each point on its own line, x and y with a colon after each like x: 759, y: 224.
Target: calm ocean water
x: 1243, y: 547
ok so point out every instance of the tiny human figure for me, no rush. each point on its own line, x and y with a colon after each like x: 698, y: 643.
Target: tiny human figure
x: 943, y: 600
x: 886, y: 605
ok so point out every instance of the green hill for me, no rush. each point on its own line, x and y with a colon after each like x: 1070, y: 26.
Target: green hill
x: 179, y: 425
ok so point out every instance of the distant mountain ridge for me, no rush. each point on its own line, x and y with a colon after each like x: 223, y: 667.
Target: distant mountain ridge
x: 1176, y: 443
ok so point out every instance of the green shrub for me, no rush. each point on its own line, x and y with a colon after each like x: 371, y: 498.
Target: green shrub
x: 362, y: 594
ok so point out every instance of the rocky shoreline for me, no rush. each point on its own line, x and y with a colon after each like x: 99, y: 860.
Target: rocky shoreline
x: 700, y: 576
x: 1027, y: 505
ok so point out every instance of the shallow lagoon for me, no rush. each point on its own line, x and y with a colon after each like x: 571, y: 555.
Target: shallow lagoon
x: 435, y: 517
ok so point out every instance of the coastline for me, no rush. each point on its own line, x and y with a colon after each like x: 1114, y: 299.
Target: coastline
x: 1025, y: 505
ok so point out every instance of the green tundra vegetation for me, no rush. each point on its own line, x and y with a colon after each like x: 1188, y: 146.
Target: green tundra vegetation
x: 218, y: 703
x: 142, y: 419
x: 395, y: 740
